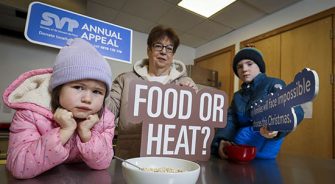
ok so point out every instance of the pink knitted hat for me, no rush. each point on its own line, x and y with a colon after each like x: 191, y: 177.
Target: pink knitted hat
x: 80, y: 60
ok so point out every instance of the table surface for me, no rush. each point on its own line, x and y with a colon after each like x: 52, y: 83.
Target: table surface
x: 285, y: 169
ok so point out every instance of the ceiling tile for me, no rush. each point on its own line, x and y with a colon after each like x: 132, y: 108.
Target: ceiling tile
x: 101, y: 12
x: 192, y: 41
x: 180, y: 19
x: 174, y: 2
x: 148, y: 9
x: 237, y: 14
x: 209, y: 30
x: 134, y: 23
x: 270, y: 6
x: 115, y: 4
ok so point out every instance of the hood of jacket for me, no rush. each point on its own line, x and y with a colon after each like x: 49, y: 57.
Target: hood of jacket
x: 30, y: 92
x: 178, y: 69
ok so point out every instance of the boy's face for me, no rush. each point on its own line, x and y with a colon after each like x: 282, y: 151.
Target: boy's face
x: 247, y: 70
x: 82, y: 97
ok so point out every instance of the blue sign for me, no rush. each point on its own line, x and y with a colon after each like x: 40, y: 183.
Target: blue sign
x: 52, y: 26
x: 276, y: 111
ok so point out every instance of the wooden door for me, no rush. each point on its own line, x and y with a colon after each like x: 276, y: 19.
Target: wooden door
x: 221, y: 62
x: 270, y: 49
x: 311, y: 46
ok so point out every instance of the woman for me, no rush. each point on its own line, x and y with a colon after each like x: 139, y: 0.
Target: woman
x: 249, y: 66
x: 160, y: 66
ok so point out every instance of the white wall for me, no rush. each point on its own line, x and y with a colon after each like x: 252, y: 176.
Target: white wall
x: 18, y: 56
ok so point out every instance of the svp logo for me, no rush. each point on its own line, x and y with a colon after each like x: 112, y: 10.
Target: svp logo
x: 49, y: 19
x: 52, y: 26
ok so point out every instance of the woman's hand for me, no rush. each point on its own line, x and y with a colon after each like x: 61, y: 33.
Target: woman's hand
x: 84, y: 127
x: 188, y: 84
x: 268, y: 134
x: 222, y: 145
x: 66, y: 122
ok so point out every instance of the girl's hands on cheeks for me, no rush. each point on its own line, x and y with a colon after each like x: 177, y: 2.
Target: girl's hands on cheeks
x: 84, y: 127
x: 66, y: 122
x: 89, y: 122
x: 65, y: 119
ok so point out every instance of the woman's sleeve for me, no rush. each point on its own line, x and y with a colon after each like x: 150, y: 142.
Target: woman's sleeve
x: 113, y: 102
x: 98, y: 152
x: 29, y: 152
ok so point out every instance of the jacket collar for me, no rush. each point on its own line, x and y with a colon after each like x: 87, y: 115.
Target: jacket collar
x: 30, y: 91
x: 254, y: 83
x: 178, y: 69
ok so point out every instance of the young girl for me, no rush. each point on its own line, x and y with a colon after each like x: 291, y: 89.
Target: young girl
x: 60, y: 115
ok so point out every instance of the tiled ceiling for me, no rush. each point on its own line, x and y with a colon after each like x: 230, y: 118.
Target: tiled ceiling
x: 142, y: 15
x: 194, y: 30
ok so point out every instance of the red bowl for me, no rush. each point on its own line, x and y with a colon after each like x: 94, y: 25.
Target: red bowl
x: 240, y: 153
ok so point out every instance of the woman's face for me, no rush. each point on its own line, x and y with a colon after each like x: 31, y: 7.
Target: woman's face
x: 82, y: 97
x: 160, y: 55
x: 247, y: 70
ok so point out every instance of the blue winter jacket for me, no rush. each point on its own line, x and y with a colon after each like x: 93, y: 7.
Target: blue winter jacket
x: 239, y: 124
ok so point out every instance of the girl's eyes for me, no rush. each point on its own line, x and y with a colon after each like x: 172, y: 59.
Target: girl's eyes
x: 98, y: 92
x: 95, y: 91
x: 78, y: 87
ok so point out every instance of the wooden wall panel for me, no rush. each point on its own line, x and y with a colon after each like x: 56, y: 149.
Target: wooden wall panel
x: 221, y: 62
x: 311, y: 46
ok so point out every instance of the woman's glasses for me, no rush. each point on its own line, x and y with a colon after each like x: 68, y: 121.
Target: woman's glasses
x: 160, y: 47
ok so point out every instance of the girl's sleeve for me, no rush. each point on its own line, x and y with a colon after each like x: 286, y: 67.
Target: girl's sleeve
x: 29, y: 152
x: 98, y: 152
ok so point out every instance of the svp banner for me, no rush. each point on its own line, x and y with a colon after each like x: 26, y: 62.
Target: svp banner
x: 52, y: 26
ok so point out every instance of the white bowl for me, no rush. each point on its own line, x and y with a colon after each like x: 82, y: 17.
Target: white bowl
x: 133, y: 175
